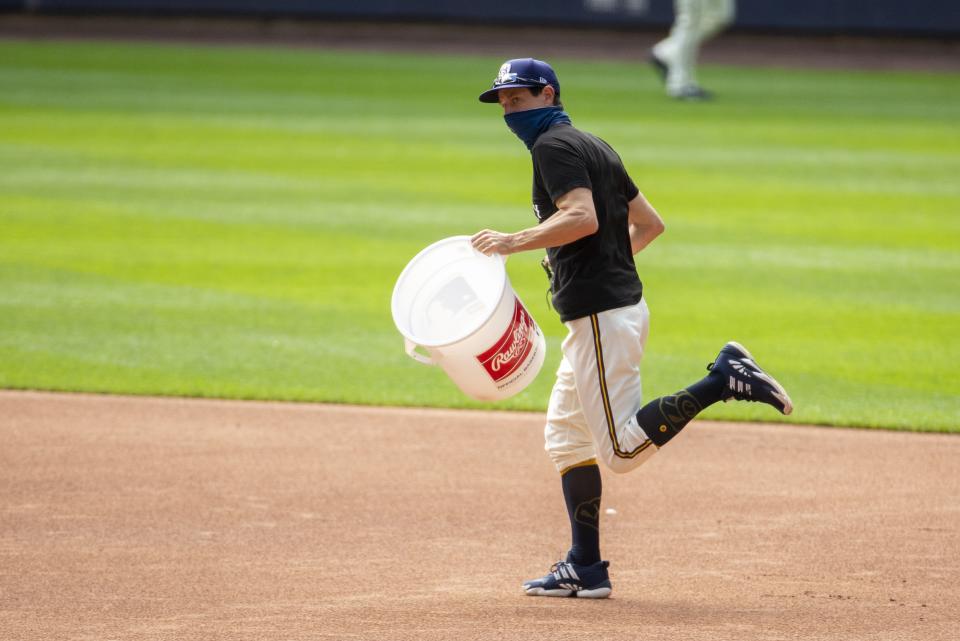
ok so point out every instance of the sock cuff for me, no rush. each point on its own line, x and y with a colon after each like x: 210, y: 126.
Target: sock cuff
x: 587, y: 463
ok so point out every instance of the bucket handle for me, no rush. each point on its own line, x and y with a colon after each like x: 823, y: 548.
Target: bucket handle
x: 411, y: 348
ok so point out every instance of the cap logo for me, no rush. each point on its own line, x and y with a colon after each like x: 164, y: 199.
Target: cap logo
x: 505, y: 77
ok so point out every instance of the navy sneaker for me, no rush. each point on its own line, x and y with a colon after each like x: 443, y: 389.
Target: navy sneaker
x: 570, y: 579
x: 745, y: 381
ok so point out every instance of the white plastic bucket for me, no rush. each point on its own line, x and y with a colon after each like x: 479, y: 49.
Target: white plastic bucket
x: 457, y: 304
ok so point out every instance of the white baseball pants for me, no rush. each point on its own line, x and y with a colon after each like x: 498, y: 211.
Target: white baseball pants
x: 695, y: 21
x: 593, y: 407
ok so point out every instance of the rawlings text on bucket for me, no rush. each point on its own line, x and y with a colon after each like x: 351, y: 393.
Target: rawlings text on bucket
x: 512, y: 348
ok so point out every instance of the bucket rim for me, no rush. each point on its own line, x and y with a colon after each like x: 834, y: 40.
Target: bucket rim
x: 450, y: 239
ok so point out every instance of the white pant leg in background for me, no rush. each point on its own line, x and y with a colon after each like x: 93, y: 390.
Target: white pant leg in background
x: 593, y: 407
x: 694, y: 22
x: 715, y: 16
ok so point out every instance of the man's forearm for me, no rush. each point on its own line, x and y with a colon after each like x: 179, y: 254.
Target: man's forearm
x: 574, y: 219
x: 562, y: 228
x: 641, y: 236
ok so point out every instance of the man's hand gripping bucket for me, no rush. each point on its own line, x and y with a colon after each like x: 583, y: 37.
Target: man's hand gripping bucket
x: 458, y: 306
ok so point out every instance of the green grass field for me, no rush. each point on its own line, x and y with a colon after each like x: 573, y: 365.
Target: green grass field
x: 229, y: 222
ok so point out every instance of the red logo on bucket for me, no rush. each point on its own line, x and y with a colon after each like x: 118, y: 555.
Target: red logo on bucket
x: 510, y: 351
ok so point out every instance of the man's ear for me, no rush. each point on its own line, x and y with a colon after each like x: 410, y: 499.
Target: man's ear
x: 550, y: 93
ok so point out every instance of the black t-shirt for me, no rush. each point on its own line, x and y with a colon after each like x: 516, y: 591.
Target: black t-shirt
x: 597, y: 272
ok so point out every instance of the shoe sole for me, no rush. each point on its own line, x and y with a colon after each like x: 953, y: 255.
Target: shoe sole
x: 762, y: 375
x: 598, y: 593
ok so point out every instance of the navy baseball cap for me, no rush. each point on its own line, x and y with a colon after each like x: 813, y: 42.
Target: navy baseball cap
x: 521, y: 72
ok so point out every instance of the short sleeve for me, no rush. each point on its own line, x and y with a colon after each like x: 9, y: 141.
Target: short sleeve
x: 632, y: 191
x: 561, y: 168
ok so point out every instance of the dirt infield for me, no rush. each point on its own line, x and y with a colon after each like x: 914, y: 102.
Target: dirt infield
x: 126, y: 518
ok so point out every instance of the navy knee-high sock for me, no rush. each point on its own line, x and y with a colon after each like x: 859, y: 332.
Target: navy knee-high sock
x: 582, y: 488
x: 663, y: 418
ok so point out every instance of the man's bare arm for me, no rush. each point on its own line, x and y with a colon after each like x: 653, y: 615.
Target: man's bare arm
x: 645, y: 223
x: 575, y: 218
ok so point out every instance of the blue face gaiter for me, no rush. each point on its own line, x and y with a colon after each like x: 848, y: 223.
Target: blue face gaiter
x: 528, y: 125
